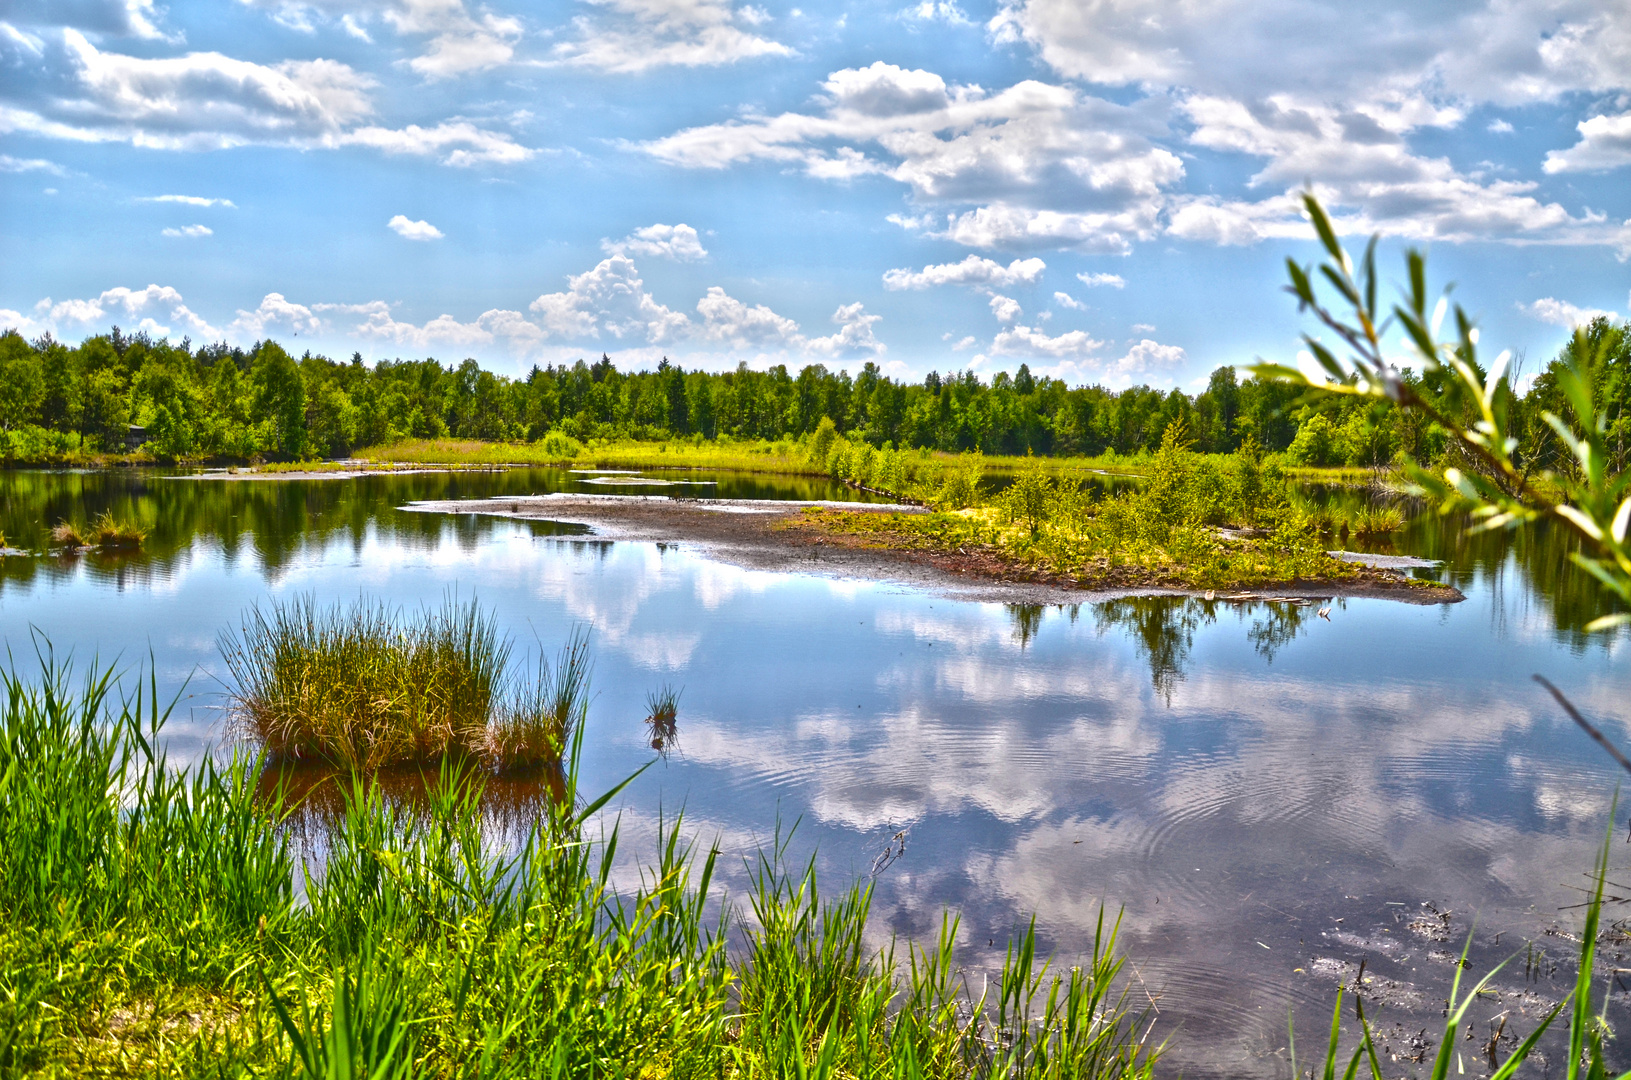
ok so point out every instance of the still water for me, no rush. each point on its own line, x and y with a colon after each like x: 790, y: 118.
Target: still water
x: 1267, y: 796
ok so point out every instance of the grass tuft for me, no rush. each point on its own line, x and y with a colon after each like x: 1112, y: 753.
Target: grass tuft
x: 531, y: 728
x: 662, y: 718
x: 68, y: 535
x: 110, y: 533
x: 360, y: 688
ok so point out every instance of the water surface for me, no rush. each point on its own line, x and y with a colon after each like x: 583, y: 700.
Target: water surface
x: 1265, y: 794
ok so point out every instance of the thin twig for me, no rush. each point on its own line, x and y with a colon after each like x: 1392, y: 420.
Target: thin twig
x: 1586, y: 725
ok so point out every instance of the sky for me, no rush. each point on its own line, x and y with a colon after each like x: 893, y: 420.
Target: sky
x: 1106, y: 190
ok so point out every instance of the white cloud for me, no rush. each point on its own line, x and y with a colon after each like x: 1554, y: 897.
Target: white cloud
x: 1148, y: 357
x: 1015, y: 154
x: 465, y: 143
x: 133, y: 302
x: 188, y: 200
x: 1005, y: 308
x: 1500, y: 127
x: 274, y: 313
x: 190, y: 231
x: 1025, y: 341
x: 609, y: 299
x: 854, y: 338
x: 23, y: 165
x: 679, y: 242
x: 975, y: 271
x: 495, y: 325
x: 634, y: 36
x: 456, y: 40
x: 1367, y: 176
x: 16, y: 320
x: 109, y: 18
x: 64, y: 87
x: 945, y: 11
x: 1065, y: 300
x: 1503, y: 51
x: 966, y: 343
x: 1605, y: 143
x: 413, y: 230
x: 1562, y: 313
x: 730, y: 321
x: 1092, y: 281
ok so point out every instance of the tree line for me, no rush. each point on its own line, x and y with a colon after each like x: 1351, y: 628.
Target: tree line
x: 224, y: 402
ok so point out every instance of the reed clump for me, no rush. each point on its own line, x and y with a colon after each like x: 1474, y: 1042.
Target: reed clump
x: 530, y: 727
x: 67, y: 534
x: 149, y: 926
x: 662, y: 718
x: 361, y: 687
x: 113, y: 534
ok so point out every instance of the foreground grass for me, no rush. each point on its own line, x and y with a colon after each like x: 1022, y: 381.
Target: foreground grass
x: 149, y: 925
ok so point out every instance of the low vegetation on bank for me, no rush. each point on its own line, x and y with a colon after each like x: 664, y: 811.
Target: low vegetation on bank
x: 150, y: 925
x: 1196, y: 522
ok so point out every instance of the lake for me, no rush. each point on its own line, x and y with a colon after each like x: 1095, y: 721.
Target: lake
x: 1267, y: 796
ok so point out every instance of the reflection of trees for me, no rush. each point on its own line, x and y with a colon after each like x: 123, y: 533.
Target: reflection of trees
x: 1277, y: 627
x: 1162, y: 629
x: 271, y: 521
x: 1025, y: 620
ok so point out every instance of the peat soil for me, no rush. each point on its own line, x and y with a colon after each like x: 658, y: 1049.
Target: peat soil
x: 771, y: 535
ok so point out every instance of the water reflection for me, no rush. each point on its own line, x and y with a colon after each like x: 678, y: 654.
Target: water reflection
x: 1269, y: 796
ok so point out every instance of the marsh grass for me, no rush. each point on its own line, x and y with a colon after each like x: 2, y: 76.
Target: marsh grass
x: 148, y: 926
x: 531, y: 726
x: 360, y: 687
x: 662, y: 718
x: 67, y: 534
x: 1197, y: 521
x: 113, y: 534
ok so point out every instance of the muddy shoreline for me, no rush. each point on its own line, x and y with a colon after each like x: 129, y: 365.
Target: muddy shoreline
x: 765, y: 535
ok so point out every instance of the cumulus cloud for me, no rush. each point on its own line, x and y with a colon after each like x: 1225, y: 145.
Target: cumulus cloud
x: 1065, y: 300
x: 188, y: 200
x: 1605, y: 143
x: 275, y: 313
x: 1042, y: 166
x: 1562, y: 313
x: 413, y: 230
x: 109, y: 18
x: 1093, y: 281
x: 609, y: 299
x: 456, y: 40
x: 140, y: 304
x: 679, y: 242
x: 1005, y: 308
x: 1511, y: 51
x: 1025, y: 341
x: 854, y: 337
x: 975, y: 271
x: 633, y: 36
x: 496, y: 325
x: 64, y: 87
x: 1368, y: 177
x: 728, y: 320
x: 190, y: 231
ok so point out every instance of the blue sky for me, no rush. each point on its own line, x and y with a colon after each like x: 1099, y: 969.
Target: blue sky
x: 1104, y: 189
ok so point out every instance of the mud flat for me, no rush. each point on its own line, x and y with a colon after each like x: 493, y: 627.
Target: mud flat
x: 770, y: 535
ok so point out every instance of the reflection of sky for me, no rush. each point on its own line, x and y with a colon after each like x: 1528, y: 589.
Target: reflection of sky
x: 1393, y: 754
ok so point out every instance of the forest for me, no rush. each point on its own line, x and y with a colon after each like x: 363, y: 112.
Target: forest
x: 115, y: 393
